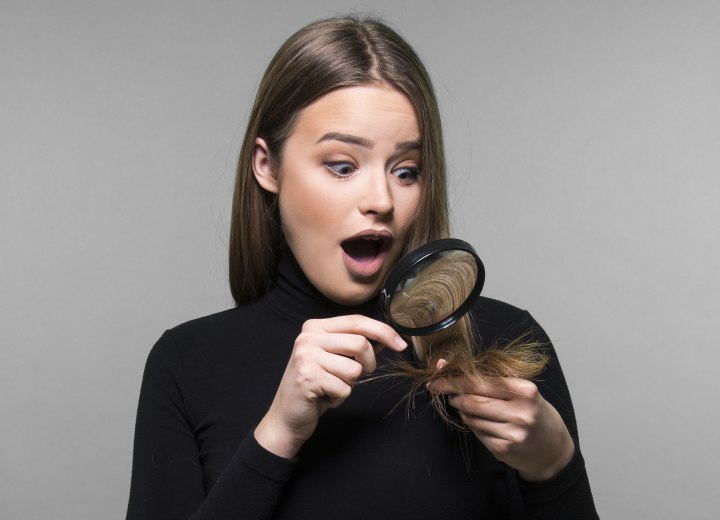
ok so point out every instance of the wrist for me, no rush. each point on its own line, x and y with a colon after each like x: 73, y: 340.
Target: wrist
x: 554, y: 466
x: 273, y: 437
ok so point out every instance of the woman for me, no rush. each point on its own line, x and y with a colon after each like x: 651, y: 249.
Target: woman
x: 255, y: 412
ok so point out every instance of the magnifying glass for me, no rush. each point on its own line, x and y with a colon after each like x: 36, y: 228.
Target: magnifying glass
x: 433, y: 286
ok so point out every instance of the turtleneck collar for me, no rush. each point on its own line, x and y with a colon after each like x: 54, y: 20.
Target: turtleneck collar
x: 295, y: 298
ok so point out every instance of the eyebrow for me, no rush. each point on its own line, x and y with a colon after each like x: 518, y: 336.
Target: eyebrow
x: 365, y: 143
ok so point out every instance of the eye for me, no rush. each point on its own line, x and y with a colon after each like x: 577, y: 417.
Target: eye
x: 407, y: 174
x: 341, y: 168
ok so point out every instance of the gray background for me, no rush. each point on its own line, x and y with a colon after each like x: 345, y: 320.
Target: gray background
x: 584, y: 146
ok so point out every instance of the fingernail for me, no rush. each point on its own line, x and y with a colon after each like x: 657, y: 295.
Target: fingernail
x: 400, y: 342
x: 441, y: 363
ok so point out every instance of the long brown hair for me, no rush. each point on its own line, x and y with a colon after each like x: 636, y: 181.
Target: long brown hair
x: 321, y: 57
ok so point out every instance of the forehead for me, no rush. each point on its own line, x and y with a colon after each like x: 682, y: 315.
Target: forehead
x: 376, y: 112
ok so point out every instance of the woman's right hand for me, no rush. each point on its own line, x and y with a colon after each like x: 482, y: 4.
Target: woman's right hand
x: 328, y: 357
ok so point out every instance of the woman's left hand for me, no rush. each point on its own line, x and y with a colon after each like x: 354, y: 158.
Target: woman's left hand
x: 514, y: 422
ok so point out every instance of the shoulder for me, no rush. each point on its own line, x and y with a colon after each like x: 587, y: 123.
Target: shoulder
x: 497, y: 308
x: 495, y: 319
x: 488, y: 312
x: 209, y: 325
x: 212, y: 350
x: 203, y: 335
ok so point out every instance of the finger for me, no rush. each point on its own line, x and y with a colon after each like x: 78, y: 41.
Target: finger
x: 466, y: 385
x: 501, y: 439
x: 358, y: 324
x: 334, y: 389
x: 480, y: 426
x: 353, y: 346
x: 516, y: 415
x: 344, y: 368
x: 496, y: 410
x: 507, y: 388
x: 444, y: 385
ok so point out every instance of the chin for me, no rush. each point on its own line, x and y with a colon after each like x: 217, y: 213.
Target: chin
x: 353, y: 295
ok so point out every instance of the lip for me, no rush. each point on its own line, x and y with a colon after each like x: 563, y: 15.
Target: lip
x: 384, y: 233
x: 370, y: 268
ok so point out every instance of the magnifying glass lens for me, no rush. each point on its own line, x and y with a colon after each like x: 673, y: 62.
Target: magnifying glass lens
x: 434, y: 289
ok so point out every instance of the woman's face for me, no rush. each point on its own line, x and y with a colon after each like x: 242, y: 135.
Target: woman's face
x: 348, y: 187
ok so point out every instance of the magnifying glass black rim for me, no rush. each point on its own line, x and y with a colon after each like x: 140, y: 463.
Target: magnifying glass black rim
x: 416, y: 256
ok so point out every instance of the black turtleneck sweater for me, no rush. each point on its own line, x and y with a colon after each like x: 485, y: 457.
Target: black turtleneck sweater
x: 208, y: 382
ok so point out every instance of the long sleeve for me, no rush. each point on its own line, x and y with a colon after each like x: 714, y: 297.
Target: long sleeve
x: 567, y: 495
x: 208, y: 382
x: 167, y: 476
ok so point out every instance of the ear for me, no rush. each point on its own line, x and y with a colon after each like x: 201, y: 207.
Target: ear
x: 265, y: 174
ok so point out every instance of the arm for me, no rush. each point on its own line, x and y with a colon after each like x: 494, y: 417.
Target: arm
x: 530, y: 426
x: 167, y: 479
x: 167, y: 482
x: 327, y: 359
x: 569, y: 490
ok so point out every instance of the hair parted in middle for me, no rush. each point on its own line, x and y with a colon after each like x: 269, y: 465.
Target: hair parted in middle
x: 321, y: 57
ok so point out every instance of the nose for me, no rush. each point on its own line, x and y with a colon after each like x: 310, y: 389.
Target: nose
x: 376, y: 197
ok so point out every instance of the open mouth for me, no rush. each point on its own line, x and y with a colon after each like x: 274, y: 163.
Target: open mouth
x: 364, y: 253
x: 365, y: 248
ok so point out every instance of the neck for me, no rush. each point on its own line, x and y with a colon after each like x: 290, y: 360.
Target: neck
x: 296, y: 298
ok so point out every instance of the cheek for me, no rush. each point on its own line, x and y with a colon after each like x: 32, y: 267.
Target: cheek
x: 408, y: 206
x: 306, y: 211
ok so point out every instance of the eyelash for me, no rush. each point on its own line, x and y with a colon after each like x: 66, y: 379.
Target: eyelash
x: 331, y: 166
x: 414, y: 172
